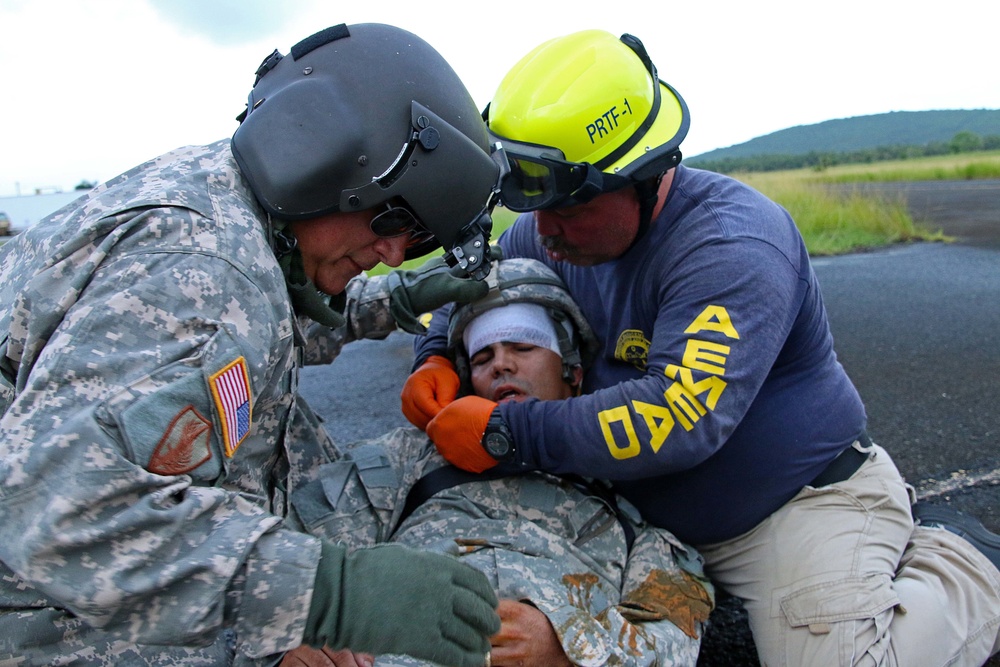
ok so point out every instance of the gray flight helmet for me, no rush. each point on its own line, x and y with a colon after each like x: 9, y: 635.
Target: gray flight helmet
x: 357, y: 115
x: 525, y: 280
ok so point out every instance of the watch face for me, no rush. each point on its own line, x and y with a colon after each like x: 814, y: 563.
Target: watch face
x: 497, y: 445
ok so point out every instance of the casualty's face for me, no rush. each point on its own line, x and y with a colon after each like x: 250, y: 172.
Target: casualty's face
x: 339, y: 246
x: 516, y: 371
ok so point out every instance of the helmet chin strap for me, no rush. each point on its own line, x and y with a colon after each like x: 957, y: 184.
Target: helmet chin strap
x: 647, y: 191
x: 305, y: 297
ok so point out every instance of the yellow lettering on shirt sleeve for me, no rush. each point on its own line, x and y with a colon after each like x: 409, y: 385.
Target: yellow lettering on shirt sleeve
x: 658, y: 420
x: 687, y: 400
x: 713, y: 385
x: 702, y: 355
x: 614, y: 415
x: 714, y: 318
x: 685, y: 405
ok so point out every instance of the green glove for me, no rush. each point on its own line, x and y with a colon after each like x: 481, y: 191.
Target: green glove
x: 418, y: 291
x: 393, y: 599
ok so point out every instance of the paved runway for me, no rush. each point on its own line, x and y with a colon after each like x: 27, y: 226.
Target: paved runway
x: 918, y: 329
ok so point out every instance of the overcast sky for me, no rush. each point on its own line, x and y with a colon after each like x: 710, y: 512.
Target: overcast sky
x: 94, y: 87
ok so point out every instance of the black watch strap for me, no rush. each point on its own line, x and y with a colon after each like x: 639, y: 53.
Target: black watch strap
x: 497, y: 439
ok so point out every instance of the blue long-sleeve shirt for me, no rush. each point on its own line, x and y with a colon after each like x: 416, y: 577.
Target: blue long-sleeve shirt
x: 717, y: 394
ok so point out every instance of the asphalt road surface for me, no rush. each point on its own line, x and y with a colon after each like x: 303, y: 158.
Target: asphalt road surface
x: 916, y: 326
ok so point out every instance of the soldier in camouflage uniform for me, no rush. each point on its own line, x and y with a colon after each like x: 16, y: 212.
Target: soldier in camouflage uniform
x: 150, y: 336
x: 559, y: 545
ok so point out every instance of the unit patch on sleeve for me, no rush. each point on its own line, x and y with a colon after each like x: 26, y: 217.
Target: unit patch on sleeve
x: 633, y: 348
x: 185, y: 445
x: 231, y: 391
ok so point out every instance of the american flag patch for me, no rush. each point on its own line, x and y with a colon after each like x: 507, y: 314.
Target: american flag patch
x: 231, y: 390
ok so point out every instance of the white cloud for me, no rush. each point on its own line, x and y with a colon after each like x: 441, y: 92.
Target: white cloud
x: 93, y: 88
x: 225, y: 22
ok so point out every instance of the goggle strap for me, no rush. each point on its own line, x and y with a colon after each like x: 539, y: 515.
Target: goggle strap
x: 612, y: 182
x: 592, y: 185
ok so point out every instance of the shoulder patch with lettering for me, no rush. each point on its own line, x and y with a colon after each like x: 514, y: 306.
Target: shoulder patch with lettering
x: 231, y: 391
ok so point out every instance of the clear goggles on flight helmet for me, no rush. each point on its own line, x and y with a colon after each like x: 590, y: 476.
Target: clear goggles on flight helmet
x: 541, y: 178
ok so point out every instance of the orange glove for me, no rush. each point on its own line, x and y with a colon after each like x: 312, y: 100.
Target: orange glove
x: 457, y: 432
x: 428, y: 389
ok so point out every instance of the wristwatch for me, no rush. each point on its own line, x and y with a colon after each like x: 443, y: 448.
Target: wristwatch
x: 497, y: 439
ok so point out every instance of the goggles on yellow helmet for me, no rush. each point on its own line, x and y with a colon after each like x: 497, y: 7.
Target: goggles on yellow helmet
x: 540, y: 177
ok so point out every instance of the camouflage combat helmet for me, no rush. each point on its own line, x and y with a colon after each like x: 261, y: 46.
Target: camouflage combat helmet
x: 524, y: 280
x: 356, y: 116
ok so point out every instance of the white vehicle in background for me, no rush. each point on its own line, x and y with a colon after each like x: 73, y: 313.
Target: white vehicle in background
x: 22, y: 211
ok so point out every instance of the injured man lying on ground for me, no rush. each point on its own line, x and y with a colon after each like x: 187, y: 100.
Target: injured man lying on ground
x: 581, y: 578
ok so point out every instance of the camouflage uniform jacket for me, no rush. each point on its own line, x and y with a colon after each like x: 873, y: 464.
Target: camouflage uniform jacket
x: 150, y: 424
x: 537, y: 537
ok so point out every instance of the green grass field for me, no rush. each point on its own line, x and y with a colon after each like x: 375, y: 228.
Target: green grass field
x: 961, y: 166
x: 832, y: 223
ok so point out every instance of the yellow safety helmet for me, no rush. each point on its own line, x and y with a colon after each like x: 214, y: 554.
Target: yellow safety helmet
x: 581, y: 115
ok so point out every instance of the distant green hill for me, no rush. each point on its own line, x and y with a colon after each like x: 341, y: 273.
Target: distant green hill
x: 897, y: 128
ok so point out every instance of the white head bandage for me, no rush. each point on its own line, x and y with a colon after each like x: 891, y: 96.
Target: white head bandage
x: 514, y: 323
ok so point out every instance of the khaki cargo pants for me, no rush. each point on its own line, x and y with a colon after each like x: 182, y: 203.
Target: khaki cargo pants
x: 840, y: 576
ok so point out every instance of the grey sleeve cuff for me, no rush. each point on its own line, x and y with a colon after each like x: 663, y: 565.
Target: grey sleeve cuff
x: 279, y: 577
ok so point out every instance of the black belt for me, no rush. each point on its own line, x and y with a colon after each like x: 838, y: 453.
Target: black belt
x: 845, y: 464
